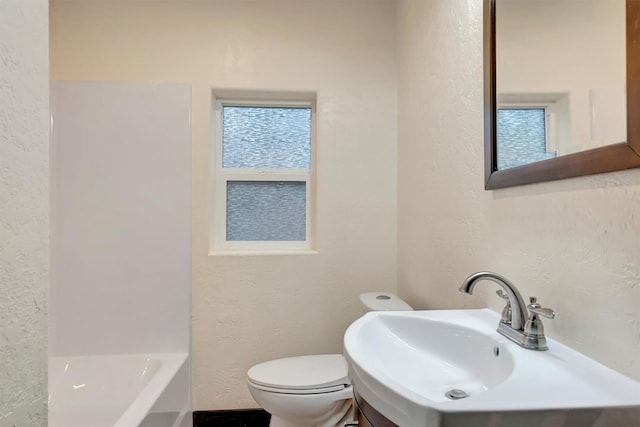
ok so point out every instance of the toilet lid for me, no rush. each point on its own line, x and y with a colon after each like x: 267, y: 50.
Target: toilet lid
x: 301, y: 373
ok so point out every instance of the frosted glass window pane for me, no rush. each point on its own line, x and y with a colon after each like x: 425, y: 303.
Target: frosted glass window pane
x: 521, y: 137
x: 266, y: 210
x: 266, y: 137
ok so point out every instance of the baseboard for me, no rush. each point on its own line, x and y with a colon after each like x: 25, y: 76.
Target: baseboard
x: 232, y: 418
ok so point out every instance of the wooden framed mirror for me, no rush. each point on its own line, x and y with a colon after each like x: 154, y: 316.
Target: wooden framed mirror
x: 613, y: 157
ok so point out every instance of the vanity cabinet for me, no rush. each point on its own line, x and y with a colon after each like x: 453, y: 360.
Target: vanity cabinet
x: 368, y: 416
x: 362, y: 421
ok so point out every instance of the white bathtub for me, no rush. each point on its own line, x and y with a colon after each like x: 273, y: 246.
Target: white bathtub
x: 132, y: 390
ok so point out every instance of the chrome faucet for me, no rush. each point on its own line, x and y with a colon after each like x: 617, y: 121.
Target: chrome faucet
x: 514, y: 324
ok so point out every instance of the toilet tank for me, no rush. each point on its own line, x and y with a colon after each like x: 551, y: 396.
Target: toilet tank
x: 383, y: 301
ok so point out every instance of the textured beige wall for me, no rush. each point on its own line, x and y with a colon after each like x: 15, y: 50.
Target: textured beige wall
x: 24, y: 211
x: 575, y: 244
x: 250, y: 309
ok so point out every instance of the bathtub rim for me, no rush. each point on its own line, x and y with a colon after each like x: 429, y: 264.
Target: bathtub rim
x: 142, y: 405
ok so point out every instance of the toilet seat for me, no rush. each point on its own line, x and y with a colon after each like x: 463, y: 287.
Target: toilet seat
x: 314, y: 374
x: 332, y: 389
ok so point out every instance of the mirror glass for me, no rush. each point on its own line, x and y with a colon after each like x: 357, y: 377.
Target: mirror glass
x: 560, y: 78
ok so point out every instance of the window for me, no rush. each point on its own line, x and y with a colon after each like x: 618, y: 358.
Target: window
x: 523, y: 136
x: 263, y: 177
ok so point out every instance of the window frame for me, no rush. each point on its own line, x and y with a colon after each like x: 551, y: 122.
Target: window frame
x: 219, y: 245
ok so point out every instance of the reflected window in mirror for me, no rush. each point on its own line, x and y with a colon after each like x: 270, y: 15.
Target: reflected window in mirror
x: 525, y: 135
x: 575, y: 47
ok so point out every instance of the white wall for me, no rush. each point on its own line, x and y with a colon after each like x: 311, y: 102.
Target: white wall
x: 24, y: 211
x: 247, y: 309
x: 120, y: 218
x: 572, y: 243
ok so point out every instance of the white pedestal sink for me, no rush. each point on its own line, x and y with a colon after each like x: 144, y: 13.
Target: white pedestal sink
x: 406, y: 364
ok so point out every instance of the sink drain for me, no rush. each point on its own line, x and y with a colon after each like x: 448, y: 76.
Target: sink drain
x: 456, y: 394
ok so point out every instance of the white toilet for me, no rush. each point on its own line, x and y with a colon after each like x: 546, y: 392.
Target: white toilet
x: 312, y: 391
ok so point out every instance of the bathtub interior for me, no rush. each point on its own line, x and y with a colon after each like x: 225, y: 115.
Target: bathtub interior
x: 118, y: 390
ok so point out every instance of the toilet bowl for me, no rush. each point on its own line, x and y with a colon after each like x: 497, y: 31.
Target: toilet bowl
x: 314, y: 390
x: 303, y: 391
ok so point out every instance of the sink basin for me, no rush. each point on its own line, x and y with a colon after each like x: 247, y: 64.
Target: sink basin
x: 430, y: 357
x: 451, y: 367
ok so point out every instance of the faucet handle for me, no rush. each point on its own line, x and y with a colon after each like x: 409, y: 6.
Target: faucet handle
x: 544, y: 312
x: 534, y: 329
x: 536, y: 308
x: 506, y: 315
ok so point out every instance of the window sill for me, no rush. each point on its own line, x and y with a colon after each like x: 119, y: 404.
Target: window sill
x: 263, y: 252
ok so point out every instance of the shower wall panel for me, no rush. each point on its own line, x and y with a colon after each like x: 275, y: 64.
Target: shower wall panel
x: 121, y: 218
